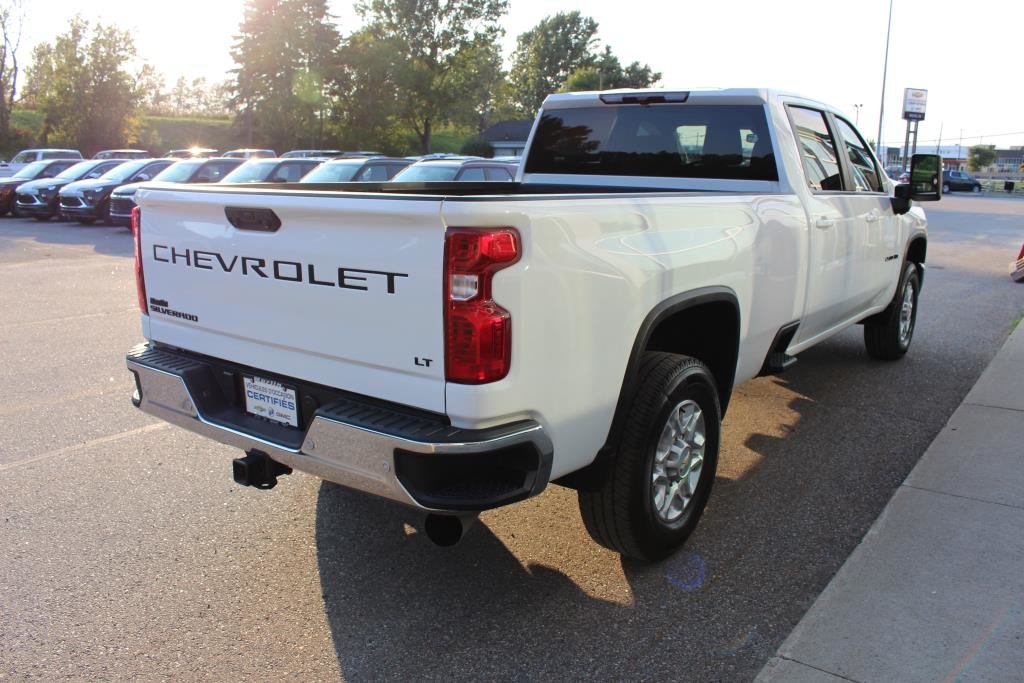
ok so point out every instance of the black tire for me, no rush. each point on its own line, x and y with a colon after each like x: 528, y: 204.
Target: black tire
x: 945, y: 189
x: 976, y: 189
x: 884, y: 333
x: 103, y: 216
x: 621, y: 514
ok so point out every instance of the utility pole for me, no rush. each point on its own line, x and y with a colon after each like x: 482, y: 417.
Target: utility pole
x: 856, y: 120
x: 885, y: 72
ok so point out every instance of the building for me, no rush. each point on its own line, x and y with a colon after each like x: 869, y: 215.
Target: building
x: 508, y: 138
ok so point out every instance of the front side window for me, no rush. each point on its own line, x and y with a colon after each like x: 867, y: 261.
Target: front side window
x: 24, y: 158
x: 178, y: 172
x: 377, y: 173
x: 821, y: 164
x: 213, y: 172
x: 287, y: 173
x: 251, y: 172
x: 427, y: 172
x: 334, y: 172
x: 865, y: 173
x: 661, y: 140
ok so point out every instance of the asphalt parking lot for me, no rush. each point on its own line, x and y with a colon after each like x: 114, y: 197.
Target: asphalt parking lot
x: 127, y: 551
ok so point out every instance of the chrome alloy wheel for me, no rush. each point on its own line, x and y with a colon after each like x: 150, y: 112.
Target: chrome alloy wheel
x: 907, y: 314
x: 678, y: 460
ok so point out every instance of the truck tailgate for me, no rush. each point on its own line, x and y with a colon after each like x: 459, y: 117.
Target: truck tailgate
x: 347, y: 292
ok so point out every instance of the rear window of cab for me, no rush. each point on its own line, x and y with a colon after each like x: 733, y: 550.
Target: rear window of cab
x: 660, y: 140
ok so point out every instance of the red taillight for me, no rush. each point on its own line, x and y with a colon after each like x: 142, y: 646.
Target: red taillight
x: 478, y: 332
x: 140, y: 281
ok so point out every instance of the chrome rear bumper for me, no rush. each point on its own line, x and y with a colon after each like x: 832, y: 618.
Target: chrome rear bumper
x: 415, y: 460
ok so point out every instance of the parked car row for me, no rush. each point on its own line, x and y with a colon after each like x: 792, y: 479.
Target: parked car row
x: 103, y: 188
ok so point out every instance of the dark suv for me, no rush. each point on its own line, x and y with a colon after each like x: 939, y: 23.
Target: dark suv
x: 959, y: 181
x: 40, y: 198
x: 88, y: 201
x: 196, y: 170
x: 35, y: 171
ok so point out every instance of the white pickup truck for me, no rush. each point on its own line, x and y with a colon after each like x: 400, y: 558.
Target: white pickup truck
x: 457, y: 346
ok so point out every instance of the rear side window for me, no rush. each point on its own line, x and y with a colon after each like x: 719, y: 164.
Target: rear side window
x: 498, y: 174
x: 471, y: 174
x: 660, y: 140
x: 821, y: 164
x: 865, y: 173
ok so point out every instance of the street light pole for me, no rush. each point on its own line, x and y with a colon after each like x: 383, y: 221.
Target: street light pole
x: 885, y: 72
x: 856, y: 120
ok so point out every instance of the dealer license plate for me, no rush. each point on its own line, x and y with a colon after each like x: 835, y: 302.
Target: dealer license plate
x: 270, y: 399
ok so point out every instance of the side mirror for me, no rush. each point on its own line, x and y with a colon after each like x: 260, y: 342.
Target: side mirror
x: 925, y: 183
x: 926, y: 177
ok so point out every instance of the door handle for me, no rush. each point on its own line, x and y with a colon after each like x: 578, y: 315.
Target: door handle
x: 824, y: 223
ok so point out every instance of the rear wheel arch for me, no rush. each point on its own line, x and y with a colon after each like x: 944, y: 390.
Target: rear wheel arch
x: 703, y: 324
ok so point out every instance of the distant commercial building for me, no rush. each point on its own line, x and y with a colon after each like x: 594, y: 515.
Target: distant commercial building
x: 954, y: 157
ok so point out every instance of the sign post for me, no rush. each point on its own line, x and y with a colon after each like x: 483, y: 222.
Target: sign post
x: 915, y: 101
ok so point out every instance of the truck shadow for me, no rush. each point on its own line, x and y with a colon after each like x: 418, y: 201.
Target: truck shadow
x: 809, y: 459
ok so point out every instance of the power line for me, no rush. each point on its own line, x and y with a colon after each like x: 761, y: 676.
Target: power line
x: 966, y: 137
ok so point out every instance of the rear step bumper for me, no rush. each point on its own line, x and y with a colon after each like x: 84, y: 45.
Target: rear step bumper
x: 386, y: 451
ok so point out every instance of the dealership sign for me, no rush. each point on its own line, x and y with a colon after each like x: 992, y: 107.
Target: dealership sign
x: 914, y: 101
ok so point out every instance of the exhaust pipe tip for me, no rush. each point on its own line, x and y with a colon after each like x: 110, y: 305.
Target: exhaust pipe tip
x: 447, y: 530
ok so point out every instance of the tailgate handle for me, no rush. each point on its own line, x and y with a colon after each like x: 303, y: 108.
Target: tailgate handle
x: 263, y: 220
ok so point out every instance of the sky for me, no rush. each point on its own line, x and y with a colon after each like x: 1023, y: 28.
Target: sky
x: 966, y: 54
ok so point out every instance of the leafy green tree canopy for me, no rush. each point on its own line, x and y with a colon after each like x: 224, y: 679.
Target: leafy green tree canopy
x: 284, y: 50
x: 83, y: 85
x: 441, y: 64
x: 607, y: 73
x: 546, y: 55
x: 981, y: 156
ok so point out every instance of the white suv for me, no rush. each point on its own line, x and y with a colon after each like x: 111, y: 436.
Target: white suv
x: 27, y: 156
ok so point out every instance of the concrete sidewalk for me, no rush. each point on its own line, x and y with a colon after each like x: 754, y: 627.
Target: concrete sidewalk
x: 935, y: 591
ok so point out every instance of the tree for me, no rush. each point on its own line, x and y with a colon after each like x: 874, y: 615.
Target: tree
x: 443, y: 60
x: 284, y: 51
x: 11, y: 18
x: 606, y: 73
x: 980, y: 156
x: 81, y: 82
x: 545, y: 56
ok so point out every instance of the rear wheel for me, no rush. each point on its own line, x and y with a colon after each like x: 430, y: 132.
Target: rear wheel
x: 887, y: 335
x: 945, y: 188
x: 976, y: 189
x: 664, y: 463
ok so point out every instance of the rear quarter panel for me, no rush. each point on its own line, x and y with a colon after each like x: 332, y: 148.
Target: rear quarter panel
x: 591, y: 271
